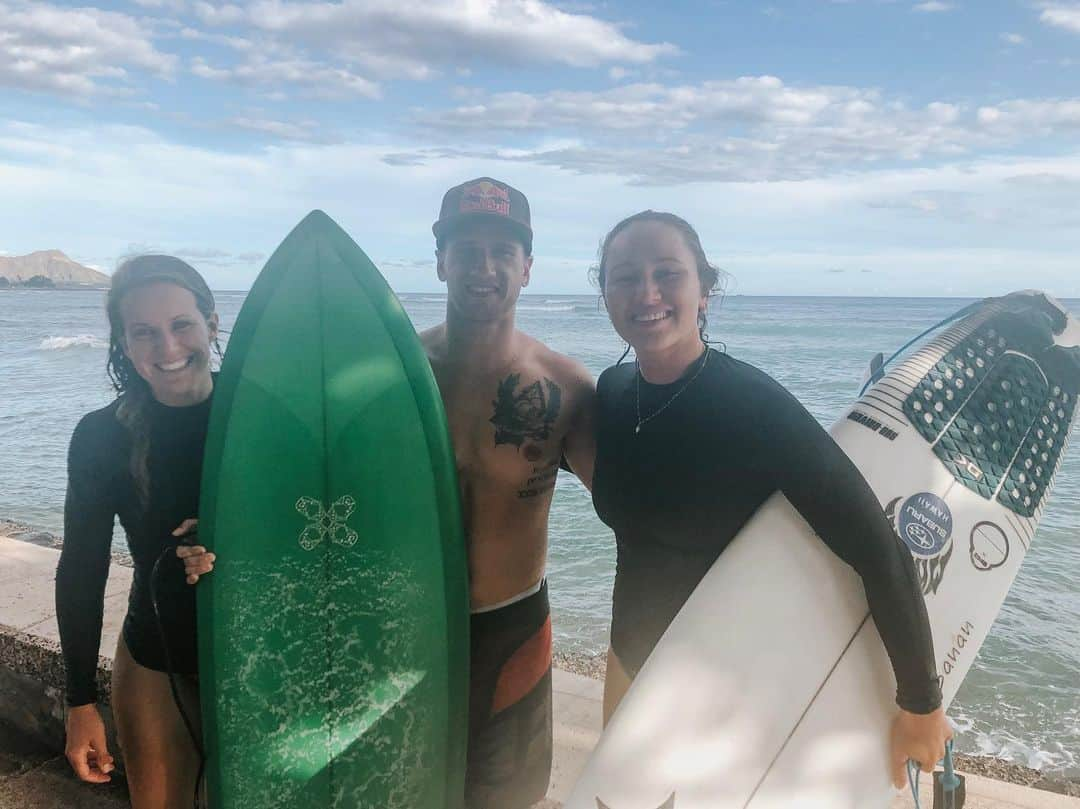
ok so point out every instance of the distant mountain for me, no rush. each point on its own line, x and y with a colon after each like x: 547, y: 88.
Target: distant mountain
x: 51, y: 264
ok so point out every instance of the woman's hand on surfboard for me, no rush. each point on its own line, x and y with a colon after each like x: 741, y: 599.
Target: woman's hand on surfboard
x: 197, y: 560
x: 86, y: 748
x: 920, y: 738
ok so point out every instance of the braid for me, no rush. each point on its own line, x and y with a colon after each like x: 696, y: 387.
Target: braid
x: 132, y: 414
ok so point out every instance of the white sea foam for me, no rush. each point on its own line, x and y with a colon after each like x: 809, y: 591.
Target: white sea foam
x: 993, y: 733
x: 1054, y: 757
x: 566, y: 307
x: 78, y: 341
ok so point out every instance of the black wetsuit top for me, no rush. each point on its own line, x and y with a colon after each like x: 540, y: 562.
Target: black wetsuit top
x: 679, y: 491
x: 100, y: 488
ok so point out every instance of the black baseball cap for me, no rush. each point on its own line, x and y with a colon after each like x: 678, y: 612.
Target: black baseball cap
x: 484, y: 199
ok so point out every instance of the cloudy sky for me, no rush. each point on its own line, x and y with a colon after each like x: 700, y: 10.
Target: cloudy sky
x: 863, y: 147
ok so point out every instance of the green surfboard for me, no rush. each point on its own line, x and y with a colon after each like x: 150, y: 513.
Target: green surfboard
x: 333, y: 632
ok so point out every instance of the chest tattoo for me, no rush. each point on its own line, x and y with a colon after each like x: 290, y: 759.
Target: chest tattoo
x: 541, y: 479
x: 527, y: 413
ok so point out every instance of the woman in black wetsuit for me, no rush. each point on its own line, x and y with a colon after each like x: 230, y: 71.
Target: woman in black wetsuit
x: 140, y: 459
x: 690, y: 441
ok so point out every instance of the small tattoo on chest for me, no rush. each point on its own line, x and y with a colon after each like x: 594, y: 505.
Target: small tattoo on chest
x: 525, y: 413
x: 541, y: 480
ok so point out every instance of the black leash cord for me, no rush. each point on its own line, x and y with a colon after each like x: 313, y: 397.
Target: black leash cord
x: 170, y: 670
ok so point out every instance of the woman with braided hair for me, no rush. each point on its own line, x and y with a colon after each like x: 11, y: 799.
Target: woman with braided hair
x: 140, y: 460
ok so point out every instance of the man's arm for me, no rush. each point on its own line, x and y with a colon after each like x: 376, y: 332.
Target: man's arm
x: 579, y: 446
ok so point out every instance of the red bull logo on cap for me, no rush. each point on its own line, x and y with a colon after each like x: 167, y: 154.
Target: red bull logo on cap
x: 485, y: 197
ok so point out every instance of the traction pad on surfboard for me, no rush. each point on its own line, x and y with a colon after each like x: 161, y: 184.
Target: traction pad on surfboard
x: 997, y: 418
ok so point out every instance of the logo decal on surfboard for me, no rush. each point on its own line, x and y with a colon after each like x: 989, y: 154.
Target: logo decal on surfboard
x: 326, y: 522
x: 668, y: 804
x: 989, y: 546
x: 924, y: 522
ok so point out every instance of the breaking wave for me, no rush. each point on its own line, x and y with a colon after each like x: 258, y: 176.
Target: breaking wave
x: 565, y: 307
x: 78, y: 341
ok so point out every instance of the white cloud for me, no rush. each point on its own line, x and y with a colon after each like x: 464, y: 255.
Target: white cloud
x: 933, y: 6
x: 1062, y: 16
x: 410, y: 38
x: 219, y: 13
x: 329, y: 50
x: 1027, y: 118
x: 168, y: 5
x: 74, y: 51
x: 214, y: 255
x: 658, y: 107
x: 236, y: 43
x: 305, y: 131
x: 748, y: 129
x: 1046, y: 180
x: 314, y: 78
x: 137, y: 186
x: 751, y: 129
x: 1014, y: 39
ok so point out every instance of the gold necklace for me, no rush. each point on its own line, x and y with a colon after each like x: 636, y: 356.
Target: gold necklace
x: 641, y: 422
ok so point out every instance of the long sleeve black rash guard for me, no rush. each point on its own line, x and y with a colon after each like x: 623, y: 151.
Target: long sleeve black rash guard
x: 101, y: 488
x: 679, y: 491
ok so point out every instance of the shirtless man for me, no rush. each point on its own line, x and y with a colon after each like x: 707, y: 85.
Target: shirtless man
x: 516, y: 409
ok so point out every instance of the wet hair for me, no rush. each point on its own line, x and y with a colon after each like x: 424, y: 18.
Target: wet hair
x: 712, y: 278
x: 134, y: 391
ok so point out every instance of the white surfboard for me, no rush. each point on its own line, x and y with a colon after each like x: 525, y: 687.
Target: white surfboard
x: 771, y: 688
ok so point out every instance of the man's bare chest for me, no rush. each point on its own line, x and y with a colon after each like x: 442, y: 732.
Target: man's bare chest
x: 507, y: 431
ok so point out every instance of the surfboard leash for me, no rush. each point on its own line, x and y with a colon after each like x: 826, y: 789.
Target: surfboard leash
x: 171, y: 671
x: 949, y: 791
x: 879, y: 370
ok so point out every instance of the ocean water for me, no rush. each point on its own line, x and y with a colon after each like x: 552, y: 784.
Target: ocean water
x: 1021, y: 701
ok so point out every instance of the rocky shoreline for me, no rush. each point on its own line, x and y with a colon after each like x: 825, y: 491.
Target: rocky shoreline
x: 592, y: 666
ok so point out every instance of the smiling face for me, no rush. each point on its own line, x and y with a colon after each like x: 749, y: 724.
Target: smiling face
x: 653, y: 291
x: 485, y: 268
x: 168, y: 341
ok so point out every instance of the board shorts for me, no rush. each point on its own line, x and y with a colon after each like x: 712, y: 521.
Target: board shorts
x: 510, y: 744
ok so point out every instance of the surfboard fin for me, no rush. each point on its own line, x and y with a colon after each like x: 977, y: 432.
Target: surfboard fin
x: 876, y: 369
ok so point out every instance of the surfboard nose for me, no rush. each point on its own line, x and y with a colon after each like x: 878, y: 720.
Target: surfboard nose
x: 316, y: 219
x: 317, y: 244
x: 316, y: 225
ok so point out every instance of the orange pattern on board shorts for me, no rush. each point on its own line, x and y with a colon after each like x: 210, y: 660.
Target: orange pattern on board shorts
x: 524, y: 670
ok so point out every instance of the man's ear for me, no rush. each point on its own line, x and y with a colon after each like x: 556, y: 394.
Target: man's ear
x: 439, y: 269
x: 528, y: 270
